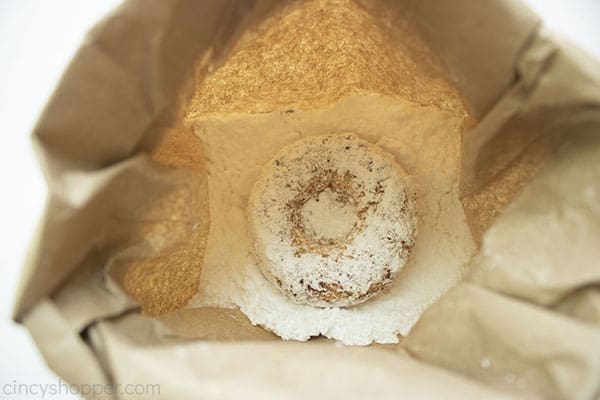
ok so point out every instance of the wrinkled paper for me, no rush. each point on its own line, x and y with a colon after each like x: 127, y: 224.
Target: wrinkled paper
x: 523, y: 324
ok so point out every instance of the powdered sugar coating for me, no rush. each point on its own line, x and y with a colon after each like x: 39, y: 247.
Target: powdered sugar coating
x: 333, y: 220
x: 425, y: 141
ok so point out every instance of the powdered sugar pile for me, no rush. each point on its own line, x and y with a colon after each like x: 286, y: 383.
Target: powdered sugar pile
x: 424, y: 140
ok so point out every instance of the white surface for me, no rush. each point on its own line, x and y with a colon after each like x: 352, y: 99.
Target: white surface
x: 576, y: 20
x: 37, y: 39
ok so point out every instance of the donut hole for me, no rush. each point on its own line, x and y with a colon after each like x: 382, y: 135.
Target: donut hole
x: 326, y: 214
x: 326, y: 219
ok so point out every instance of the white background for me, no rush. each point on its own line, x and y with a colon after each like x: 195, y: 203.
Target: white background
x: 37, y: 40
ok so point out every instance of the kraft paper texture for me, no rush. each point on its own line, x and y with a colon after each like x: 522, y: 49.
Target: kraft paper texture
x: 523, y: 324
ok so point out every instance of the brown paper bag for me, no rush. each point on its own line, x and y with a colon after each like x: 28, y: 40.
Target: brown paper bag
x: 525, y: 323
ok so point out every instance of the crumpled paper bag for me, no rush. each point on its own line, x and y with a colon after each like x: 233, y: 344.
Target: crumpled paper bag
x: 525, y: 321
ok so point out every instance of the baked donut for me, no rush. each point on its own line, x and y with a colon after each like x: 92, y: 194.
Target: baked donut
x: 333, y: 220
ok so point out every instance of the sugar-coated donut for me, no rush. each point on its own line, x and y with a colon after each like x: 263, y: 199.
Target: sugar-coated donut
x: 333, y: 220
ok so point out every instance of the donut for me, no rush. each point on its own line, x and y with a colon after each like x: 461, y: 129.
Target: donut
x: 332, y: 219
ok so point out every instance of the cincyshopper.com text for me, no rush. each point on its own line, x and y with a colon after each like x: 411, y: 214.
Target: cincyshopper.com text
x: 60, y: 389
